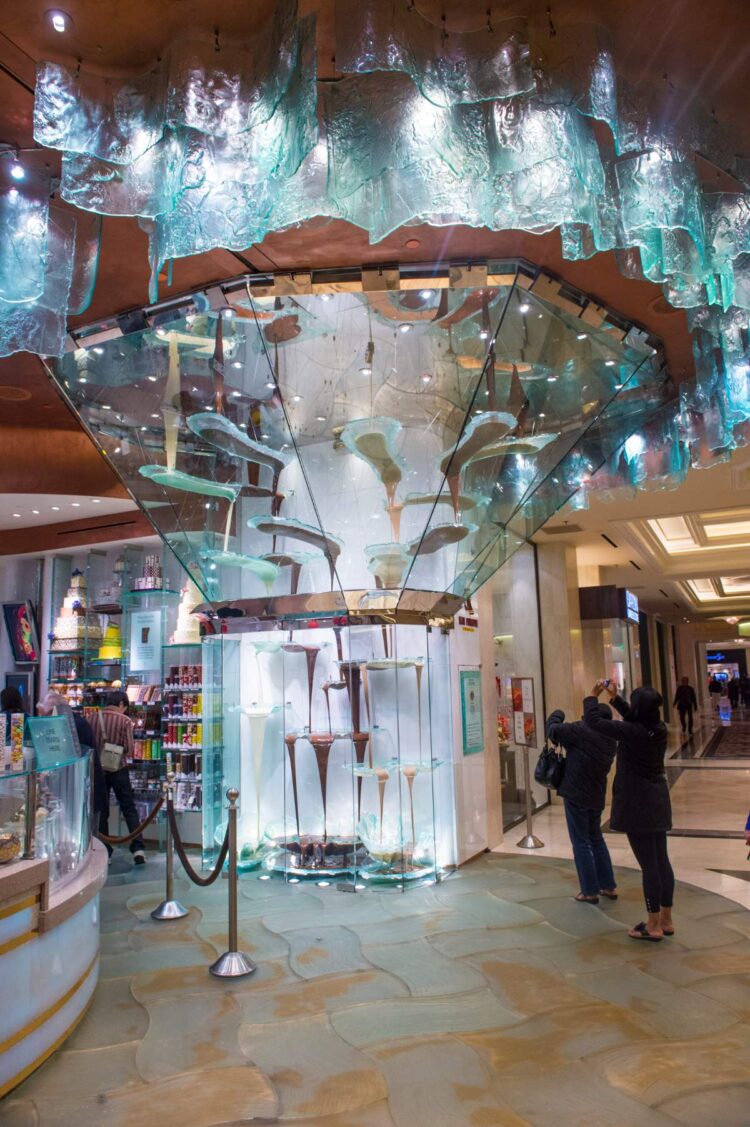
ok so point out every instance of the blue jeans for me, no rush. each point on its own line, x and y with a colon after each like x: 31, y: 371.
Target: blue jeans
x: 590, y: 853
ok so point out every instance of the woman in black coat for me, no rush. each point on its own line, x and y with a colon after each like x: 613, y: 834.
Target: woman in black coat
x: 588, y: 758
x: 641, y: 806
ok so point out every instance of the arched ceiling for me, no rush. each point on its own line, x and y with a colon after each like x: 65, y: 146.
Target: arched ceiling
x: 683, y: 44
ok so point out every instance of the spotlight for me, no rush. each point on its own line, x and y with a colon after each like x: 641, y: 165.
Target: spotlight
x: 17, y: 516
x: 76, y: 504
x: 581, y: 336
x: 35, y: 512
x: 325, y: 297
x: 95, y: 501
x: 59, y: 21
x: 106, y: 407
x: 17, y: 171
x: 296, y: 399
x: 55, y: 508
x: 320, y: 418
x: 237, y: 364
x: 404, y: 328
x: 609, y: 363
x: 366, y: 371
x: 483, y: 334
x: 426, y: 377
x: 152, y: 379
x: 524, y: 307
x: 542, y: 415
x: 425, y: 294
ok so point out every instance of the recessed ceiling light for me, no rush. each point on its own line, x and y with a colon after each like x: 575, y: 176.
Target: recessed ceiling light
x: 55, y: 508
x: 144, y: 428
x: 609, y: 363
x: 236, y: 363
x: 95, y: 501
x: 425, y: 294
x: 296, y: 398
x: 483, y: 334
x: 17, y: 171
x: 118, y: 449
x: 270, y: 384
x: 106, y: 407
x: 325, y: 297
x: 542, y: 415
x: 618, y: 386
x: 243, y: 426
x: 404, y: 328
x: 59, y: 20
x: 264, y: 436
x: 229, y: 313
x: 35, y: 512
x: 581, y: 336
x: 366, y: 371
x: 320, y: 418
x: 82, y: 379
x: 16, y: 515
x: 76, y: 504
x: 161, y: 332
x: 154, y: 416
x: 234, y: 394
x: 426, y: 377
x: 524, y: 307
x: 153, y: 379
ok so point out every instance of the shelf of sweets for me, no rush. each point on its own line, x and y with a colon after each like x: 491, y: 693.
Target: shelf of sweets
x: 195, y: 717
x: 182, y: 747
x: 182, y: 688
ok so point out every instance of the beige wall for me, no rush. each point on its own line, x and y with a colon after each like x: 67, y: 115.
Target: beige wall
x: 564, y: 665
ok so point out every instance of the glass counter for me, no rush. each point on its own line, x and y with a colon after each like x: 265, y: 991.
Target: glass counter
x: 60, y: 827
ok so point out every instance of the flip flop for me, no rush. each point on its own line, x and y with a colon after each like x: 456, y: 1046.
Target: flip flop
x: 668, y: 933
x: 608, y: 895
x: 581, y: 899
x: 643, y: 933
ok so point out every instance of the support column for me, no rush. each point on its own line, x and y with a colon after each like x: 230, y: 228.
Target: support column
x: 564, y: 671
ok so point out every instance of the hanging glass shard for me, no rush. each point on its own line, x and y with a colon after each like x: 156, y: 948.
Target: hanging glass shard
x: 297, y: 530
x: 265, y: 570
x: 40, y: 325
x: 188, y: 483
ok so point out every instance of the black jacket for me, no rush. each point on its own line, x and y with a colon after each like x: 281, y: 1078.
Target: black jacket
x: 589, y: 756
x: 640, y: 795
x: 685, y: 699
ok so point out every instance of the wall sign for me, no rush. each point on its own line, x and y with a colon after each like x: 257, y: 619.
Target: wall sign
x: 472, y: 726
x: 524, y: 713
x: 145, y: 640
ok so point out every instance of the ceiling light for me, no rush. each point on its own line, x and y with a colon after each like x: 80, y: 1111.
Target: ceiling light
x: 524, y: 307
x: 483, y: 334
x: 118, y: 449
x: 229, y: 313
x: 161, y: 332
x: 551, y: 379
x: 618, y: 387
x: 106, y: 407
x: 243, y: 426
x: 323, y: 883
x: 59, y: 21
x: 55, y: 508
x: 404, y: 328
x: 99, y: 351
x: 17, y: 170
x: 82, y: 379
x: 35, y: 512
x: 237, y: 364
x: 16, y: 514
x: 320, y: 418
x: 234, y: 394
x: 95, y: 501
x: 542, y: 415
x: 264, y: 436
x: 296, y: 398
x: 609, y: 363
x: 426, y: 377
x: 581, y: 336
x: 76, y: 504
x: 325, y: 297
x: 190, y: 318
x: 271, y: 385
x: 425, y: 294
x: 154, y: 416
x: 366, y: 371
x: 153, y: 379
x: 144, y: 428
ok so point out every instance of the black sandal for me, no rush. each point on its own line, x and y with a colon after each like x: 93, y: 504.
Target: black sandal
x: 581, y: 899
x: 644, y: 933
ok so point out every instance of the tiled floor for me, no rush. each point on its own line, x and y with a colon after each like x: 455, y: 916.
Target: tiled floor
x: 489, y: 1000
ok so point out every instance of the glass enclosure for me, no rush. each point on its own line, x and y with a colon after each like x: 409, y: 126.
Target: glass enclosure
x: 338, y: 738
x: 47, y: 813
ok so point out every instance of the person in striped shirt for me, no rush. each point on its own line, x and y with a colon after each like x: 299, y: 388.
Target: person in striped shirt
x: 117, y: 728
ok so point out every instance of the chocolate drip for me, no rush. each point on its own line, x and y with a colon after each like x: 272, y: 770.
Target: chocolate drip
x: 409, y: 774
x: 322, y: 744
x: 339, y: 648
x: 384, y: 630
x: 353, y: 677
x: 360, y: 741
x: 382, y: 777
x: 326, y: 687
x: 311, y: 656
x: 418, y: 670
x: 290, y: 742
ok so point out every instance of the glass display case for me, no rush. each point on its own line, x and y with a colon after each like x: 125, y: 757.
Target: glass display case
x: 47, y: 813
x: 338, y: 737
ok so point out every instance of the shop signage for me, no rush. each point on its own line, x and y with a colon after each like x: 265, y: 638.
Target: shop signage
x: 524, y: 713
x: 52, y: 740
x: 631, y: 607
x: 472, y: 727
x: 145, y: 640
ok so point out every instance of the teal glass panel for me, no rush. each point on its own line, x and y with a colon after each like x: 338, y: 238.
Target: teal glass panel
x: 40, y: 325
x: 24, y: 211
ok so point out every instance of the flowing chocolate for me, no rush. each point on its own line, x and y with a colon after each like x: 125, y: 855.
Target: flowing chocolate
x: 290, y: 742
x: 311, y: 656
x: 322, y: 744
x: 326, y: 687
x: 360, y: 741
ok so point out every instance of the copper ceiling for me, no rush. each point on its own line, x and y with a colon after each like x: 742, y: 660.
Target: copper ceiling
x: 688, y: 44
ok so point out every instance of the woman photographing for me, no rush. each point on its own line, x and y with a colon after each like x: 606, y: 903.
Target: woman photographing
x: 641, y: 806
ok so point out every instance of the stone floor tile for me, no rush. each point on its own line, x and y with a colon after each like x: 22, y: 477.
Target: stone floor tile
x: 376, y: 1115
x: 583, y: 920
x: 423, y: 969
x: 669, y: 1010
x: 192, y: 1031
x: 157, y: 957
x: 114, y: 1017
x: 734, y: 921
x: 659, y: 1071
x: 68, y: 1088
x: 307, y: 998
x: 174, y: 981
x: 555, y: 1039
x: 288, y: 919
x: 242, y: 1093
x: 18, y: 1113
x: 440, y: 1082
x: 575, y: 1096
x: 597, y: 953
x: 472, y: 942
x: 492, y: 911
x: 681, y: 968
x: 150, y: 933
x: 314, y: 1071
x: 725, y: 1106
x: 732, y: 990
x: 253, y: 937
x: 324, y: 950
x: 415, y: 1017
x: 527, y: 983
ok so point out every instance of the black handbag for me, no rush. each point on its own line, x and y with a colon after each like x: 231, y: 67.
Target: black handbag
x: 550, y: 767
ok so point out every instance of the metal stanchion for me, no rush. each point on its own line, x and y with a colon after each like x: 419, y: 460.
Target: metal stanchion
x: 169, y: 909
x: 233, y: 963
x: 29, y: 836
x: 528, y: 841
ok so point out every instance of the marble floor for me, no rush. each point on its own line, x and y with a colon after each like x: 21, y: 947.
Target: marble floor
x: 491, y: 999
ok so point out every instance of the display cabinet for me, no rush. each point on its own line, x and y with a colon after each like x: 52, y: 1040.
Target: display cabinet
x: 47, y: 814
x: 339, y: 739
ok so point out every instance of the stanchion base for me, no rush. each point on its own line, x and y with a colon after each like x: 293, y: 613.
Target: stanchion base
x: 530, y: 842
x: 169, y: 910
x: 232, y: 964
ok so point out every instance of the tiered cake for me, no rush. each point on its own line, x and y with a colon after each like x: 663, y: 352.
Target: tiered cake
x: 111, y: 647
x: 76, y: 625
x: 188, y: 627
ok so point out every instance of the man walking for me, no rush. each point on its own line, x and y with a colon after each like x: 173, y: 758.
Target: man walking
x: 686, y: 702
x: 117, y: 732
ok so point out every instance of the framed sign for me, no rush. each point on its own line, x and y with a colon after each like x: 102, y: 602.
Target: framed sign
x: 24, y: 682
x: 21, y: 627
x: 524, y: 713
x: 52, y: 739
x: 145, y: 641
x: 472, y: 727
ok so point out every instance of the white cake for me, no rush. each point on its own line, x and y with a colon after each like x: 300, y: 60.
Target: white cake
x: 75, y: 623
x: 188, y: 628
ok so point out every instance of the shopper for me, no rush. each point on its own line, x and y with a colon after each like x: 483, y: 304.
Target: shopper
x: 733, y: 691
x: 686, y: 703
x: 11, y: 700
x: 641, y: 807
x: 117, y: 730
x: 588, y: 758
x: 715, y: 690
